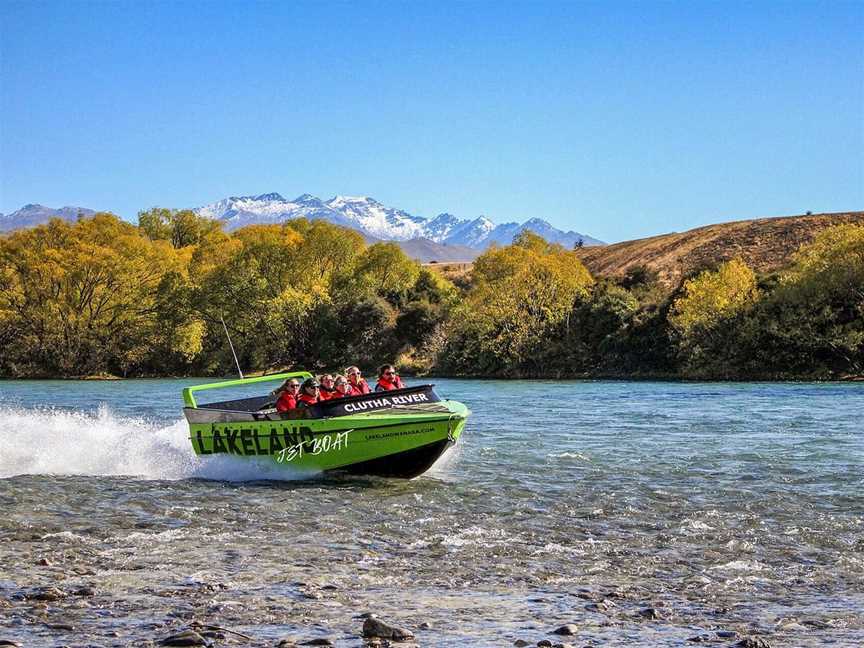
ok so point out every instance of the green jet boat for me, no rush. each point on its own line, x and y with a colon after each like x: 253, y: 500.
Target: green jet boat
x: 398, y: 433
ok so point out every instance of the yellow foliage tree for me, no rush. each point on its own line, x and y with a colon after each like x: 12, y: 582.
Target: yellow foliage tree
x: 713, y: 297
x: 831, y: 266
x: 82, y: 297
x: 521, y: 293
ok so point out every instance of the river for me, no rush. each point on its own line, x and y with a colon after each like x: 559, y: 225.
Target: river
x: 644, y: 513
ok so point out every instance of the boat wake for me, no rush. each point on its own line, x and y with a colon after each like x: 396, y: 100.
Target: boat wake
x: 101, y: 443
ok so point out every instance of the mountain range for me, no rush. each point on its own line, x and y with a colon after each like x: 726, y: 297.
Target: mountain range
x: 33, y: 215
x: 443, y: 238
x: 380, y: 222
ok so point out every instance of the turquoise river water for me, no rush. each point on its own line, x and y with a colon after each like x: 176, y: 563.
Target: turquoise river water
x: 647, y: 514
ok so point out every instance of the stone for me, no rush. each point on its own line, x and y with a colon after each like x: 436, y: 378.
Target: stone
x: 425, y: 626
x: 185, y: 638
x: 699, y: 638
x: 726, y: 634
x: 84, y: 590
x: 600, y: 606
x: 9, y: 642
x: 48, y: 594
x: 544, y: 643
x: 318, y: 641
x: 649, y: 613
x: 521, y: 643
x: 44, y: 562
x: 374, y: 627
x: 61, y: 626
x: 753, y: 642
x: 567, y: 629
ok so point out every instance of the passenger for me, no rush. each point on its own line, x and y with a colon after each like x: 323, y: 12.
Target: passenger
x: 328, y: 390
x: 387, y: 379
x: 308, y: 393
x: 343, y: 388
x: 358, y: 383
x: 287, y: 394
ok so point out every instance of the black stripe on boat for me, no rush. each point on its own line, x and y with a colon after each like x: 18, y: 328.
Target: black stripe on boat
x: 406, y: 465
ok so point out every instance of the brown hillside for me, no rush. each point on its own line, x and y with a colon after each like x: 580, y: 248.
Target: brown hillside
x: 765, y: 244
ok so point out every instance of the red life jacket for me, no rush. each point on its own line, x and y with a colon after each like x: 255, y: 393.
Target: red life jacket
x: 306, y: 400
x: 326, y: 394
x: 384, y: 384
x: 362, y: 387
x: 287, y: 401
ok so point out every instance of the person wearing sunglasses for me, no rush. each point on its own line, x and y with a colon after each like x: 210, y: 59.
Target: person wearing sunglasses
x: 287, y: 394
x: 308, y: 393
x: 358, y: 383
x: 342, y: 388
x: 388, y: 380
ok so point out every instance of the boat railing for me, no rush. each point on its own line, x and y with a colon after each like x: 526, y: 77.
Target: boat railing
x: 189, y: 392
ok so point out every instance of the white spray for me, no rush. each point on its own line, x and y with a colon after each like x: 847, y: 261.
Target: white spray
x: 61, y: 442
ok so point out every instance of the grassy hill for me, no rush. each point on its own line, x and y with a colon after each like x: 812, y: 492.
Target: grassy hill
x: 765, y: 244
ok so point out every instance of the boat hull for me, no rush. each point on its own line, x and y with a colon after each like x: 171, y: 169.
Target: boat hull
x: 396, y: 445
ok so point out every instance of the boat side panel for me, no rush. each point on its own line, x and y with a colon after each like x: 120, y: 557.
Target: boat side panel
x: 323, y: 444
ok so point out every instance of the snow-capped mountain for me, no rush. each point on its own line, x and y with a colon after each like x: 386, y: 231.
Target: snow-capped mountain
x: 33, y: 215
x: 372, y: 219
x: 376, y: 220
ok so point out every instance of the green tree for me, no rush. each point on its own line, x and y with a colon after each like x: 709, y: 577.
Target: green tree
x: 180, y: 227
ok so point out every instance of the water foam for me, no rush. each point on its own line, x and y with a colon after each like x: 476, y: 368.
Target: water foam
x: 61, y: 442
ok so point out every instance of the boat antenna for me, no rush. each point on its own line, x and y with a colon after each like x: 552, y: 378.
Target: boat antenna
x: 237, y: 362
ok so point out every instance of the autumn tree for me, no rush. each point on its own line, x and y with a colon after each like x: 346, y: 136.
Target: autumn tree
x: 522, y: 292
x: 81, y: 298
x: 705, y: 312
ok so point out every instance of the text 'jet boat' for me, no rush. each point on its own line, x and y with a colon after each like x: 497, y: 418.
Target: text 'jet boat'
x: 398, y: 433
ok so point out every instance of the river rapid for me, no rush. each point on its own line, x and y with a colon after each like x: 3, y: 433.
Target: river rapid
x: 644, y: 513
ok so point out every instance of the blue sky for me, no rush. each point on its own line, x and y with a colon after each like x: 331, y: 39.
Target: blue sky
x: 619, y: 120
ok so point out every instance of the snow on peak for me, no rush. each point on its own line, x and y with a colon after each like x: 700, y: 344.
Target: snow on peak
x: 374, y: 219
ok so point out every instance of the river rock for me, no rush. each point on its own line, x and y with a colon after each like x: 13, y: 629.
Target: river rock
x: 48, y: 594
x: 185, y: 638
x: 567, y: 629
x: 521, y: 643
x: 649, y: 613
x: 544, y: 643
x: 425, y: 626
x: 84, y: 590
x: 600, y: 606
x: 374, y: 627
x: 753, y: 642
x: 44, y: 562
x: 318, y: 641
x: 9, y: 642
x: 61, y: 626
